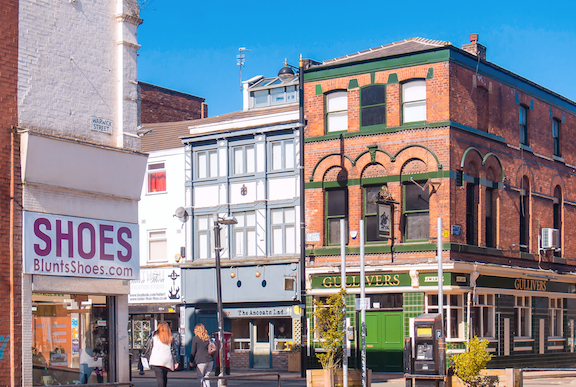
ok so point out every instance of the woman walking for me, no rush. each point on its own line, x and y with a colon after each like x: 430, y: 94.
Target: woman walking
x: 200, y: 354
x: 162, y: 352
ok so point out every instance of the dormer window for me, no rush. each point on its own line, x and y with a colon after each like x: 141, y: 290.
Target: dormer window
x: 273, y: 96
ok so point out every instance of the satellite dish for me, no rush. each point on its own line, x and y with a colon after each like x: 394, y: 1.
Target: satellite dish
x: 181, y: 214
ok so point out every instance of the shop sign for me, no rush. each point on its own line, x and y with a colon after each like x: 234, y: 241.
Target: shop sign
x: 279, y: 311
x: 158, y: 285
x: 528, y: 284
x: 353, y: 281
x: 80, y: 247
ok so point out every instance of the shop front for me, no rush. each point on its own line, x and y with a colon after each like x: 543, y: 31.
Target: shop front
x: 76, y: 297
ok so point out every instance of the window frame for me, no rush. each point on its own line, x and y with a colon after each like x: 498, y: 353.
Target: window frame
x: 243, y: 228
x: 328, y: 217
x: 373, y: 106
x: 207, y: 233
x: 406, y: 213
x: 156, y: 170
x: 283, y: 152
x: 449, y: 308
x: 524, y: 306
x: 289, y: 95
x: 523, y: 125
x: 471, y: 213
x: 370, y: 215
x: 524, y: 215
x: 245, y: 160
x: 556, y: 137
x: 155, y: 239
x: 483, y: 308
x: 208, y: 167
x: 329, y: 113
x: 556, y: 316
x: 283, y: 227
x: 489, y: 234
x: 414, y: 102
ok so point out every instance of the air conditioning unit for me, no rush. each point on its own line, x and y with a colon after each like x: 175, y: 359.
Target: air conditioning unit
x: 550, y: 238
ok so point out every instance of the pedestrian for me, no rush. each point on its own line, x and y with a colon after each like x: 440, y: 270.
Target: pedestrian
x: 200, y: 354
x: 161, y: 351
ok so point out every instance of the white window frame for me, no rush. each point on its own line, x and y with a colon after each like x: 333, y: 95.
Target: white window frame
x: 523, y: 307
x: 210, y: 168
x: 449, y: 308
x: 154, y: 168
x: 336, y: 108
x: 286, y: 231
x: 556, y: 314
x: 282, y: 155
x: 157, y: 237
x: 245, y: 234
x: 413, y: 100
x: 486, y: 307
x: 204, y: 227
x: 244, y: 165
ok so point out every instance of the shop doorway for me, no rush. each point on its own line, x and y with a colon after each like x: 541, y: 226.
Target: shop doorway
x: 384, y: 341
x: 261, y: 343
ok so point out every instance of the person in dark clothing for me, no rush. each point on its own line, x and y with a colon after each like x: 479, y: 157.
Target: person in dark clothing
x: 200, y: 355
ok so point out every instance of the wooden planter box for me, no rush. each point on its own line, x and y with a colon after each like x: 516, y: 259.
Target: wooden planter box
x: 505, y: 377
x: 294, y: 361
x: 333, y: 378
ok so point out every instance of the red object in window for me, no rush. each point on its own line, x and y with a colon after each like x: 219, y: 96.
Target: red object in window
x: 157, y: 182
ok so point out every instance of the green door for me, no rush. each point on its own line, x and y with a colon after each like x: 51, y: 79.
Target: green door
x: 384, y: 341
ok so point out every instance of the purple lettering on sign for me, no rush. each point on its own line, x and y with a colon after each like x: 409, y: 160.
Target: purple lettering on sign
x: 69, y: 236
x: 105, y: 240
x: 86, y: 226
x: 125, y: 231
x: 37, y: 249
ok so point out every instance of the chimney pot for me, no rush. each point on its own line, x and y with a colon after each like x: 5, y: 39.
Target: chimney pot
x: 473, y: 38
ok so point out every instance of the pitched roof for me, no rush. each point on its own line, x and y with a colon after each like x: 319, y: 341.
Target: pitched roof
x: 166, y: 135
x: 397, y: 48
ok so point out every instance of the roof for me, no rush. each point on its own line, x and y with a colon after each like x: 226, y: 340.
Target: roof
x: 166, y: 135
x: 397, y: 48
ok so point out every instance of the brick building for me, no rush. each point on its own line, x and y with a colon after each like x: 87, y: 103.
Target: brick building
x: 159, y: 104
x: 73, y: 173
x: 440, y: 132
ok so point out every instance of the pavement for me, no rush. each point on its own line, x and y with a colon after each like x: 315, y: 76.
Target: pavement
x: 261, y: 378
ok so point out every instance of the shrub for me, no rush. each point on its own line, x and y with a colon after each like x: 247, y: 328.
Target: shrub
x: 467, y: 365
x: 328, y: 325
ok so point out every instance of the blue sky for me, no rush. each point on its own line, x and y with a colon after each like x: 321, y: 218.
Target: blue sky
x: 191, y: 46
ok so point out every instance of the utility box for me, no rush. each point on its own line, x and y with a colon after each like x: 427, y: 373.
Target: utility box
x: 422, y: 353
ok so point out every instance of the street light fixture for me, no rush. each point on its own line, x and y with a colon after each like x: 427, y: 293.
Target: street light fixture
x: 226, y: 220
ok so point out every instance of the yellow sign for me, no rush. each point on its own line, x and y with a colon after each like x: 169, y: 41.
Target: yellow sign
x: 424, y: 332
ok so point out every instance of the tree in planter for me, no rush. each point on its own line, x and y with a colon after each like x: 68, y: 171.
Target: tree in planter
x: 467, y: 365
x: 328, y: 325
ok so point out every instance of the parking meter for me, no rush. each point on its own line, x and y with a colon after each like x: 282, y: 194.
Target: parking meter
x: 427, y: 334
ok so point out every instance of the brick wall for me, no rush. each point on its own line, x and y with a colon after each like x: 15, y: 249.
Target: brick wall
x: 158, y: 104
x: 10, y: 199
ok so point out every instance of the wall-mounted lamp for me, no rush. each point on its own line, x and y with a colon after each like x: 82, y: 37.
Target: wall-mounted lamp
x: 232, y: 273
x: 257, y: 274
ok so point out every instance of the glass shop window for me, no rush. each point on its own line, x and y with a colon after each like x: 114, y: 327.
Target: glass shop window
x: 70, y: 339
x: 282, y: 334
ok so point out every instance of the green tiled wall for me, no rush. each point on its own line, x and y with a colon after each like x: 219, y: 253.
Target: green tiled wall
x: 413, y: 307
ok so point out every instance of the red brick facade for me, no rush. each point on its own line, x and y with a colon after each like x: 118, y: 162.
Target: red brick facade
x: 471, y: 126
x: 10, y: 203
x: 158, y: 104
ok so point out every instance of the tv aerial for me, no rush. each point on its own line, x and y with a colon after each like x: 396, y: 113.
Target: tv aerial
x: 240, y: 61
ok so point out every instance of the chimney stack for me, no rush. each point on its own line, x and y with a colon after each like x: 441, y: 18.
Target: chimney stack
x: 475, y: 48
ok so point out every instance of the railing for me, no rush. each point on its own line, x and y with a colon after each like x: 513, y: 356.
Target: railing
x: 244, y: 376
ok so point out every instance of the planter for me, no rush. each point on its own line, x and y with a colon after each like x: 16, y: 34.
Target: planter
x: 332, y: 378
x: 503, y: 377
x: 294, y: 361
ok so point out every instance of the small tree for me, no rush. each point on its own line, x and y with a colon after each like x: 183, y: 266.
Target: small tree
x: 328, y: 325
x: 467, y: 365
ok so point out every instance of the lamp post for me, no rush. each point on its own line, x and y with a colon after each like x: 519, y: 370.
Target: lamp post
x: 228, y: 220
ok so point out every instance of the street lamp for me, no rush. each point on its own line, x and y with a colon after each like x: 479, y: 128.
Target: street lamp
x: 226, y: 220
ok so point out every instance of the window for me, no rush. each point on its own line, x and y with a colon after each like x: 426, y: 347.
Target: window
x: 283, y: 222
x: 471, y: 211
x: 243, y: 159
x: 523, y: 119
x: 489, y: 220
x: 416, y: 212
x: 454, y: 322
x: 282, y: 155
x: 337, y: 111
x: 371, y: 194
x: 483, y: 316
x: 523, y: 316
x: 139, y: 330
x: 336, y: 209
x: 414, y: 101
x: 557, y: 218
x: 282, y: 334
x: 241, y: 334
x: 156, y: 178
x: 373, y: 105
x: 556, y: 137
x: 524, y: 214
x: 204, y: 224
x: 68, y: 339
x: 207, y: 164
x: 555, y: 313
x: 274, y: 96
x: 157, y: 246
x: 245, y: 234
